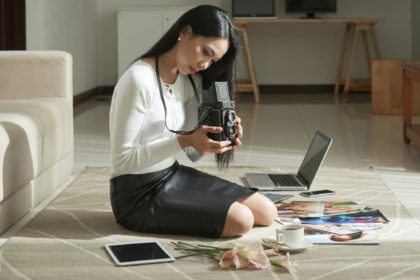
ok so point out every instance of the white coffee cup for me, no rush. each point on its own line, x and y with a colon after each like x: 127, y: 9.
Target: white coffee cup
x: 291, y: 235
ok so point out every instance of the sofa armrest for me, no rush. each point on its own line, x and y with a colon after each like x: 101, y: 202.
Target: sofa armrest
x: 33, y: 74
x: 4, y: 143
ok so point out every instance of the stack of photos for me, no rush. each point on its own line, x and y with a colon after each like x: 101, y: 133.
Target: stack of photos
x: 301, y: 209
x: 334, y: 222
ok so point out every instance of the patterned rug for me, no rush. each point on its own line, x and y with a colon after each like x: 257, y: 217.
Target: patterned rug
x: 66, y: 240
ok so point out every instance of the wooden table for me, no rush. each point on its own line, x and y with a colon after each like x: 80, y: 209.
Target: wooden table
x: 411, y: 132
x: 354, y: 29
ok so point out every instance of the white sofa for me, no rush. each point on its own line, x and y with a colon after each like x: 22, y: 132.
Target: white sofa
x: 36, y: 129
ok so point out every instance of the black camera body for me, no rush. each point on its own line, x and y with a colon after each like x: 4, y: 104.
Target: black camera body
x: 217, y: 102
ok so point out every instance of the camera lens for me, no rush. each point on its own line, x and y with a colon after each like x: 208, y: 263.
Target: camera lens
x: 231, y: 131
x: 231, y: 116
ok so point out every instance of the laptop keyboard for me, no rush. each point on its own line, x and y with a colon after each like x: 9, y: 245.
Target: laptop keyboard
x: 284, y: 180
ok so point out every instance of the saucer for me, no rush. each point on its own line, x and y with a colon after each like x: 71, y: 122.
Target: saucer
x: 306, y: 244
x: 272, y: 243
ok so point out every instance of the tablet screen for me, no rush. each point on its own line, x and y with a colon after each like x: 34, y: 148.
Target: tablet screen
x: 138, y: 253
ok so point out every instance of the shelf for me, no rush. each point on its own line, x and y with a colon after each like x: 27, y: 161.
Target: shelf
x: 411, y: 132
x: 360, y: 85
x: 245, y: 86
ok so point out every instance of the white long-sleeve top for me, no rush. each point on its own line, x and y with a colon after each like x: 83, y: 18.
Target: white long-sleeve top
x: 140, y: 141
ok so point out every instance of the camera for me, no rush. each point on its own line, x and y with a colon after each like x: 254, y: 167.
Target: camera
x: 217, y: 103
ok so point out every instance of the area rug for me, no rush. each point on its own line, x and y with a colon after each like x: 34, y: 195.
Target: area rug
x: 66, y: 240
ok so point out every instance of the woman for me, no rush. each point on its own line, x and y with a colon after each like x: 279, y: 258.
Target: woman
x: 150, y: 191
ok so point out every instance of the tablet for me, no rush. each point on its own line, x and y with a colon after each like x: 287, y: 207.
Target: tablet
x: 138, y: 253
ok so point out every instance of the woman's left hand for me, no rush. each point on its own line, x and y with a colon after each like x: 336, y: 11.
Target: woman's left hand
x: 239, y: 131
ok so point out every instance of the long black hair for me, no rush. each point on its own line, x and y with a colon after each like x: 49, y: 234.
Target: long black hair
x: 207, y: 21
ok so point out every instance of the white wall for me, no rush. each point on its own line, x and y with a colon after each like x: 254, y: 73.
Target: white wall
x: 308, y: 54
x: 284, y: 54
x: 107, y: 30
x: 416, y: 28
x: 68, y: 25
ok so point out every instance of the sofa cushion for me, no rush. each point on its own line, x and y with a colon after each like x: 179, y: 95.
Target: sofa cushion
x: 40, y: 134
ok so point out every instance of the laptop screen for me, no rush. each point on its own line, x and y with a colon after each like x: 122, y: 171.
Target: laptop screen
x: 314, y: 157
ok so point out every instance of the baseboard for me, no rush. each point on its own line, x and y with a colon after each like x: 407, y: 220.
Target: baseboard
x: 92, y: 93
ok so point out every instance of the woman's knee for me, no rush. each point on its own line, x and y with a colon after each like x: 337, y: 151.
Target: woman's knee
x: 267, y: 213
x: 239, y: 220
x: 263, y: 209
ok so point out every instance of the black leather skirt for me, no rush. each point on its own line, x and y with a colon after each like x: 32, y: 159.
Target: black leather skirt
x: 176, y: 200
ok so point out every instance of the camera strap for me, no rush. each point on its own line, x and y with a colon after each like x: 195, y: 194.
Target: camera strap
x: 203, y: 116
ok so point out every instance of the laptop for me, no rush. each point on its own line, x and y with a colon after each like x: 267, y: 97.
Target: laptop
x: 313, y: 159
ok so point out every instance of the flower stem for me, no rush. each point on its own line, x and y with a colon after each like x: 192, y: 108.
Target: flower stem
x: 189, y: 255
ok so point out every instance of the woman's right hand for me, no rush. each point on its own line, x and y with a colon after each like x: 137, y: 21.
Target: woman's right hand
x: 202, y: 143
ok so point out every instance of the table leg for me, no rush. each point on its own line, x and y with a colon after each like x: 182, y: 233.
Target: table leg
x: 407, y: 107
x: 250, y: 63
x: 352, y: 57
x: 375, y: 42
x: 341, y: 60
x: 367, y: 51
